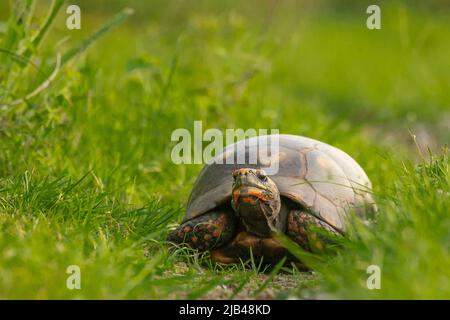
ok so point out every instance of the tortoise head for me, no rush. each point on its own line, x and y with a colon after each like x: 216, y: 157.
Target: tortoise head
x: 256, y: 201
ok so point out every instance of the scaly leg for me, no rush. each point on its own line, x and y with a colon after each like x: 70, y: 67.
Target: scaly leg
x: 302, y: 228
x: 210, y: 230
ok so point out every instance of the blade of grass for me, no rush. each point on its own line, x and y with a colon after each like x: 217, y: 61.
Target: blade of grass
x: 38, y: 89
x: 241, y: 286
x: 54, y: 9
x: 17, y: 28
x: 21, y: 13
x: 21, y: 59
x: 168, y: 83
x: 205, y: 289
x: 115, y: 21
x: 272, y: 274
x: 312, y: 261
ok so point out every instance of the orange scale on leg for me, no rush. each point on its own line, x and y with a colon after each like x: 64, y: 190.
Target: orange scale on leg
x: 216, y: 233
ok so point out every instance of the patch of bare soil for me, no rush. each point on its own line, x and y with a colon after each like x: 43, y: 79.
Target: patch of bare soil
x: 281, y: 286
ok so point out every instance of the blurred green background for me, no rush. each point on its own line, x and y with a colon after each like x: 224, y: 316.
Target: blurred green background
x: 85, y: 171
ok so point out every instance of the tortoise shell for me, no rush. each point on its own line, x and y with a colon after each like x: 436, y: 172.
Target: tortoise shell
x: 321, y: 178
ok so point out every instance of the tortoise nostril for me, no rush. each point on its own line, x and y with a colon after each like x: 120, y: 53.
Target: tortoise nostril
x: 262, y: 177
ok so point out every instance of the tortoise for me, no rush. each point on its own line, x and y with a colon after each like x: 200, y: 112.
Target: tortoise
x: 235, y: 207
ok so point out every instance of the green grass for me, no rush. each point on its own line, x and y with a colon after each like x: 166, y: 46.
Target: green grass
x: 85, y: 171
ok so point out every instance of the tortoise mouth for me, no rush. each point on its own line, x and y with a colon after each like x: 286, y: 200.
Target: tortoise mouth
x: 251, y: 204
x: 249, y: 194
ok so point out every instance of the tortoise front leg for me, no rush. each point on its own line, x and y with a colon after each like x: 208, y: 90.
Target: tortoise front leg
x: 210, y: 230
x: 302, y: 227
